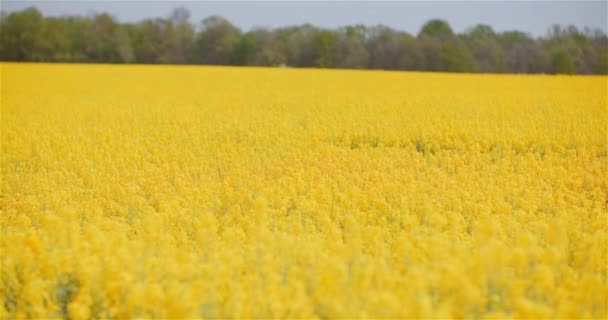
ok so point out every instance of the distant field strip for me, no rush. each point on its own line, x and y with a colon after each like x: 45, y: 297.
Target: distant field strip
x: 215, y: 192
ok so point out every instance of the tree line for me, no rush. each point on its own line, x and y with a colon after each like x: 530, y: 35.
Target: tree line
x: 29, y: 36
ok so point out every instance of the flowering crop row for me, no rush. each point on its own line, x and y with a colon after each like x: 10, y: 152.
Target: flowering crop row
x: 158, y: 191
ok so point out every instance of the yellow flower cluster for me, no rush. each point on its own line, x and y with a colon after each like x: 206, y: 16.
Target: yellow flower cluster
x: 174, y: 191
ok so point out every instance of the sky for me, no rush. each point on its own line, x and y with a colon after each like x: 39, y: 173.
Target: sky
x: 534, y: 17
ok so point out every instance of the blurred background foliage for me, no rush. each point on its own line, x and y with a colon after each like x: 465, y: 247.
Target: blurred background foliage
x: 29, y: 36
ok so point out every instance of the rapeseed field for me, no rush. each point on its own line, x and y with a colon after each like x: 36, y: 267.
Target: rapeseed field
x: 220, y: 192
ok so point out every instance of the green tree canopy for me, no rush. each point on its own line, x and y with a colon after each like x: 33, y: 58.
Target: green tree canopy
x: 29, y: 36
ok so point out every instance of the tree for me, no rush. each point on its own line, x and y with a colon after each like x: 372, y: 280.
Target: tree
x: 79, y: 34
x: 351, y: 52
x: 325, y: 46
x: 455, y: 57
x: 269, y: 51
x: 244, y: 50
x: 412, y: 57
x: 216, y: 41
x: 299, y: 45
x: 600, y: 43
x: 54, y: 42
x: 383, y: 47
x: 182, y: 37
x: 436, y: 28
x: 523, y: 54
x: 489, y: 56
x: 443, y: 50
x: 156, y: 41
x: 562, y: 62
x: 103, y: 45
x: 29, y: 36
x: 124, y: 47
x: 601, y: 65
x: 390, y: 50
x: 21, y: 35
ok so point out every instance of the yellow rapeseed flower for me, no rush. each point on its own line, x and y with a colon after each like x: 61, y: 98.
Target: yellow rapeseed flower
x: 219, y: 192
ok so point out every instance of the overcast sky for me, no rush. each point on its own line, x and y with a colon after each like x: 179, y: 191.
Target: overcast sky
x: 534, y: 17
